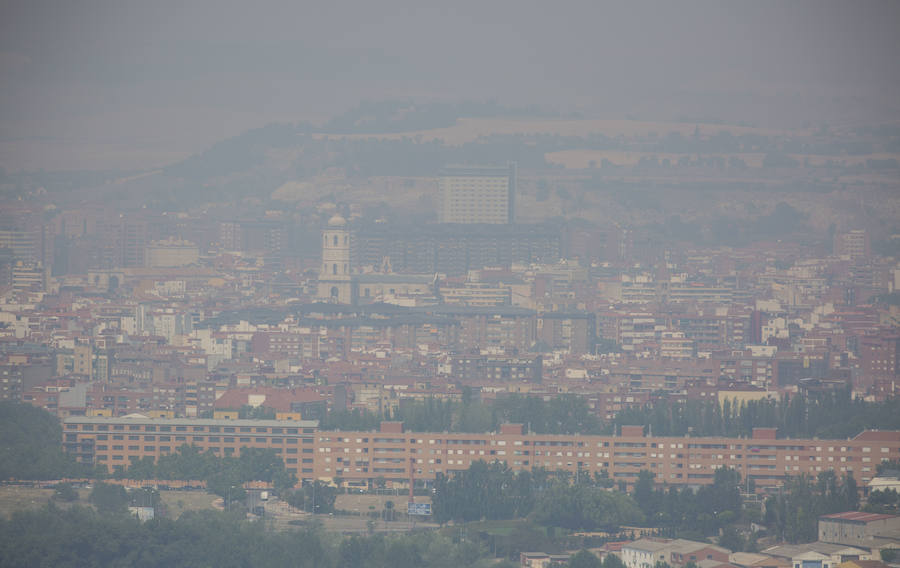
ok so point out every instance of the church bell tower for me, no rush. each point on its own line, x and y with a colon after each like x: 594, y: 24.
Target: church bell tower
x: 335, y: 281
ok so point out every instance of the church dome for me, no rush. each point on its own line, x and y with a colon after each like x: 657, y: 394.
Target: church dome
x: 337, y: 221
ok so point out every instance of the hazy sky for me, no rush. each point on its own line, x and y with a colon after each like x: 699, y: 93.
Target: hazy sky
x: 136, y: 84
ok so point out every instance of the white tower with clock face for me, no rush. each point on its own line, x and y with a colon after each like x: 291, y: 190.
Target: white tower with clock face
x: 335, y: 281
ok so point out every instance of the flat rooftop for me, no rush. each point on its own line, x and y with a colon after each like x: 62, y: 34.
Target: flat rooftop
x: 137, y: 418
x: 857, y: 516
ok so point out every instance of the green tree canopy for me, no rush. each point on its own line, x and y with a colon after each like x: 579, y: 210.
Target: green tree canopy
x: 109, y: 498
x: 31, y: 445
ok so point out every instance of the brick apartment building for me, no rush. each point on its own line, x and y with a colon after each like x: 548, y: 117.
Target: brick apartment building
x: 360, y: 457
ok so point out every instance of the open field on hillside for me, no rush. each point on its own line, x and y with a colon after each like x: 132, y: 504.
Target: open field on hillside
x: 177, y: 502
x: 17, y: 498
x: 581, y: 159
x: 469, y: 129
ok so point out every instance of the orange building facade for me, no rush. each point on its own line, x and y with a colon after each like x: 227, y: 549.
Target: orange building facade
x: 359, y: 458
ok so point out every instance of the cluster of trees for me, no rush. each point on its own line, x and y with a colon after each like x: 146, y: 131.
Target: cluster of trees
x: 80, y: 536
x: 315, y: 497
x: 486, y: 491
x: 793, y: 514
x: 31, y: 445
x: 493, y: 491
x: 256, y: 412
x: 111, y: 498
x: 223, y: 475
x: 566, y: 414
x: 686, y: 512
x: 586, y: 506
x: 883, y: 501
x: 829, y: 415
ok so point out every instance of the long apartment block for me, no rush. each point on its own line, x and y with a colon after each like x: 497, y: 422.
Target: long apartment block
x: 362, y: 457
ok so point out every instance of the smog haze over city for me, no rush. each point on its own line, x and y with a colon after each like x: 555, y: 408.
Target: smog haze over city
x: 403, y: 284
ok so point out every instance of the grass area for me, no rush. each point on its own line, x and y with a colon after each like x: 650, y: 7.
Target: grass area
x: 17, y: 498
x: 499, y: 528
x: 496, y: 528
x: 470, y: 129
x: 177, y: 502
x: 362, y: 502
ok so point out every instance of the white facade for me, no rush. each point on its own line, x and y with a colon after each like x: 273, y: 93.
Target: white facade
x: 335, y: 281
x: 171, y: 253
x: 644, y: 553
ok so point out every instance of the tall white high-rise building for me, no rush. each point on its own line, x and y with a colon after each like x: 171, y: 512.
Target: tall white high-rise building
x: 477, y: 194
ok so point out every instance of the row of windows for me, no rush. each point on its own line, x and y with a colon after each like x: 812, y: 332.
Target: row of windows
x: 167, y: 438
x: 214, y: 429
x: 167, y: 449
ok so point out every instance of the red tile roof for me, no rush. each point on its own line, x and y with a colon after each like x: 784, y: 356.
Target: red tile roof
x: 879, y: 436
x: 277, y: 399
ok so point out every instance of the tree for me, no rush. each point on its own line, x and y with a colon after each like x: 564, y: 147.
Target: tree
x: 731, y: 539
x: 886, y: 466
x: 143, y: 468
x: 721, y: 502
x: 31, y: 445
x: 319, y: 497
x: 584, y: 559
x: 585, y: 507
x: 109, y: 498
x: 284, y: 480
x: 643, y: 493
x: 256, y: 412
x: 613, y: 561
x: 883, y: 501
x: 295, y: 499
